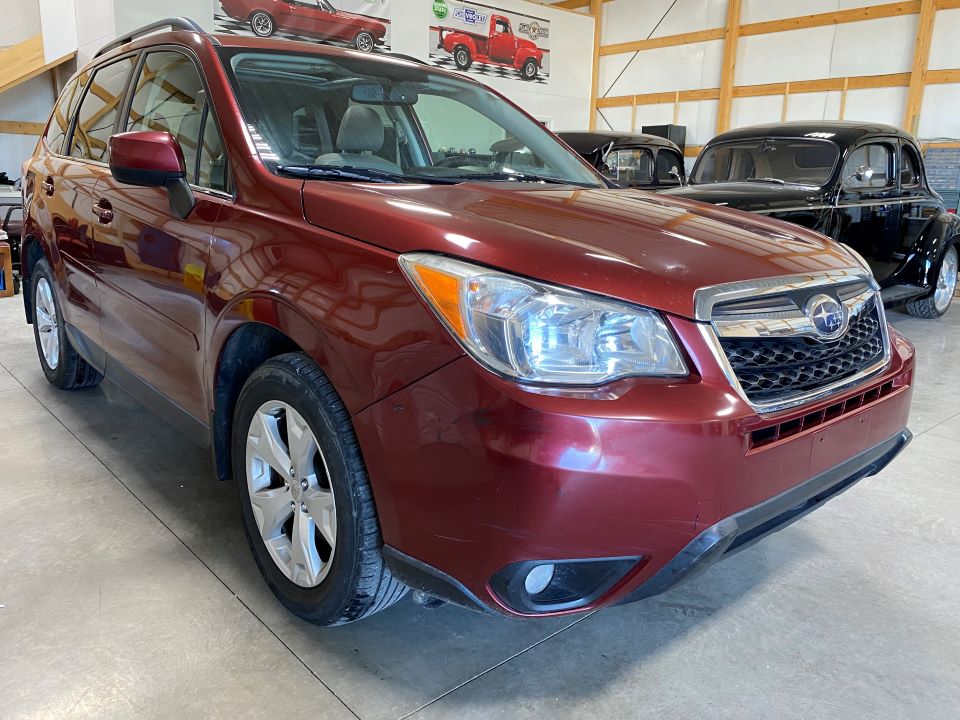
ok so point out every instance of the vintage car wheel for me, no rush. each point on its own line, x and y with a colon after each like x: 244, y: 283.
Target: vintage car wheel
x: 462, y: 58
x: 306, y: 502
x: 936, y: 304
x: 262, y: 24
x: 529, y: 70
x: 364, y: 42
x: 62, y: 365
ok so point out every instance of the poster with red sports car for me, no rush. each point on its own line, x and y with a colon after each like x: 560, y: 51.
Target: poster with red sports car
x: 489, y: 41
x: 360, y: 24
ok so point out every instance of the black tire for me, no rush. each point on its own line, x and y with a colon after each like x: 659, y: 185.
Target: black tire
x: 262, y: 24
x: 529, y: 70
x: 365, y: 42
x: 927, y: 307
x: 72, y: 372
x: 462, y: 57
x: 358, y: 583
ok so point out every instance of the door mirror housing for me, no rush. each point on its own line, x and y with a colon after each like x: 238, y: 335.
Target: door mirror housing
x: 153, y: 159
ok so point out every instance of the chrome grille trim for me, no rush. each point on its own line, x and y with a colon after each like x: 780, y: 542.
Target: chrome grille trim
x: 857, y: 290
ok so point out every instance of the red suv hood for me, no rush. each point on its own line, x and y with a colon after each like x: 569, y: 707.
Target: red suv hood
x: 643, y: 248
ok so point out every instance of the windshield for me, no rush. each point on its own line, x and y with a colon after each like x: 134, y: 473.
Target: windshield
x: 793, y: 161
x: 326, y: 117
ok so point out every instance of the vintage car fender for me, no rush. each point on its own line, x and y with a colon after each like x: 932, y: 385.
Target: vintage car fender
x: 524, y: 54
x: 923, y: 263
x: 453, y: 39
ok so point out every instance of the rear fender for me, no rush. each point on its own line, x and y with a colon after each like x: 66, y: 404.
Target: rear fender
x: 923, y: 260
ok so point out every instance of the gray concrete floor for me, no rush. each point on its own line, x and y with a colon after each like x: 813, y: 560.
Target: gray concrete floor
x: 127, y: 591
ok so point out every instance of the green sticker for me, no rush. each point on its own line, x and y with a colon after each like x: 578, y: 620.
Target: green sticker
x: 440, y: 9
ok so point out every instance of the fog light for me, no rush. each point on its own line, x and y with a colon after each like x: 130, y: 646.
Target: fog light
x: 538, y: 579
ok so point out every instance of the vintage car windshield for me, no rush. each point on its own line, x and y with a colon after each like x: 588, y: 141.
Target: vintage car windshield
x: 795, y: 161
x: 330, y: 117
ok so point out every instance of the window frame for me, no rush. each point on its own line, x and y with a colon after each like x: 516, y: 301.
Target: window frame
x: 73, y: 85
x: 673, y: 182
x: 892, y: 144
x: 915, y: 160
x: 229, y: 191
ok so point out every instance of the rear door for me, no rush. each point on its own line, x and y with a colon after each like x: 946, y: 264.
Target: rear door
x: 70, y: 186
x: 152, y: 263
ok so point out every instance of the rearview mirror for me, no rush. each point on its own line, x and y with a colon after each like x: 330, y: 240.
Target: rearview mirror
x: 381, y: 94
x: 152, y: 159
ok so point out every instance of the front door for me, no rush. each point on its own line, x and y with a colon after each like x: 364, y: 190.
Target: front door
x: 503, y: 44
x: 867, y: 208
x: 306, y: 16
x: 152, y: 263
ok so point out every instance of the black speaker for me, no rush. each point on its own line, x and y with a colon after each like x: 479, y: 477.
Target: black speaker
x: 676, y: 133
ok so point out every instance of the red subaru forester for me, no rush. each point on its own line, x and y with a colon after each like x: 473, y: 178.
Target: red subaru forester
x: 428, y: 363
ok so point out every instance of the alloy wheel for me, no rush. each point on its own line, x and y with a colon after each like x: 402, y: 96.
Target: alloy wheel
x: 364, y: 42
x: 946, y: 281
x: 262, y: 24
x: 290, y: 493
x: 47, y: 323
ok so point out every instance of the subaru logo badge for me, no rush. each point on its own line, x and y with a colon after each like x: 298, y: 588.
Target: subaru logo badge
x: 827, y: 315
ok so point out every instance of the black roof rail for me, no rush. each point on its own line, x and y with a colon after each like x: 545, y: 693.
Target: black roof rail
x: 176, y: 23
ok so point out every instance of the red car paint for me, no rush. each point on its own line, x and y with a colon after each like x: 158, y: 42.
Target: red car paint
x: 470, y: 472
x: 309, y: 17
x: 499, y: 46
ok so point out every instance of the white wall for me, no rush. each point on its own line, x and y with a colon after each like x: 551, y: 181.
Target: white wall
x: 870, y: 47
x: 28, y: 102
x: 20, y: 21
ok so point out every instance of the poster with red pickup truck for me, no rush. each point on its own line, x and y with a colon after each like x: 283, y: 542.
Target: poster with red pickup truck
x: 490, y: 41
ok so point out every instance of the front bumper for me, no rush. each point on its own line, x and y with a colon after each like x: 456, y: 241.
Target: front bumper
x: 476, y: 479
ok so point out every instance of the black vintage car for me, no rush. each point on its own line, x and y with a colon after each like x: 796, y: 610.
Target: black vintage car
x: 632, y: 160
x: 862, y: 184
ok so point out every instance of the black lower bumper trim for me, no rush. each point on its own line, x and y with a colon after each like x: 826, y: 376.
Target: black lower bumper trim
x: 746, y: 527
x: 427, y: 578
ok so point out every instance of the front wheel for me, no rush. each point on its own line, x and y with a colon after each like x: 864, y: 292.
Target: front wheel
x: 262, y: 24
x: 937, y: 303
x: 462, y: 58
x: 306, y: 502
x: 364, y: 42
x: 62, y: 365
x: 529, y: 70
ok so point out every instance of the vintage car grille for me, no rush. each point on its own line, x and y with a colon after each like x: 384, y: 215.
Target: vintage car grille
x: 767, y: 337
x: 773, y: 368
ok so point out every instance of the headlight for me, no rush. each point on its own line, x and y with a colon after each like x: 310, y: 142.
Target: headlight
x: 538, y: 333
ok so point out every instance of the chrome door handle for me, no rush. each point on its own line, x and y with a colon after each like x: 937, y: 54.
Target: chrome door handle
x: 103, y: 211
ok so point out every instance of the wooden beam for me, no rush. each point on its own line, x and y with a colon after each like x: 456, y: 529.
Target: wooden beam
x: 731, y: 36
x: 921, y: 58
x: 24, y: 61
x: 839, y: 17
x: 843, y: 96
x: 661, y: 42
x: 786, y: 103
x: 692, y: 150
x: 572, y: 4
x: 941, y: 77
x: 596, y: 9
x: 676, y: 108
x: 18, y: 127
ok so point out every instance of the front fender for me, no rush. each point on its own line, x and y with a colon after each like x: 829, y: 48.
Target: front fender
x: 922, y: 263
x: 524, y: 54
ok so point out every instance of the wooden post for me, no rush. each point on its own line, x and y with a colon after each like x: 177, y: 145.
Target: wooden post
x: 786, y: 103
x: 633, y: 115
x: 676, y: 108
x: 843, y: 97
x: 921, y: 57
x: 596, y: 9
x: 731, y: 36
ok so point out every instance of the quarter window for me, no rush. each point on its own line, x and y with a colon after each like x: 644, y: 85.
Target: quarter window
x: 60, y: 121
x: 909, y: 167
x: 170, y: 97
x: 99, y: 109
x: 666, y: 162
x: 868, y: 167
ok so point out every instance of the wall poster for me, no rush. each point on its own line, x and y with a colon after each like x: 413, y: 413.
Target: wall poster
x: 360, y: 24
x: 488, y: 41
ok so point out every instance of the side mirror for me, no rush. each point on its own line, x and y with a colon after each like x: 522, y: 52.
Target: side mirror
x: 863, y: 173
x: 153, y: 159
x: 675, y: 172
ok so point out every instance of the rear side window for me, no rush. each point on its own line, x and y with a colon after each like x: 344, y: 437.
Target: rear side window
x: 60, y: 121
x: 909, y: 167
x: 98, y: 110
x: 170, y: 97
x: 669, y: 162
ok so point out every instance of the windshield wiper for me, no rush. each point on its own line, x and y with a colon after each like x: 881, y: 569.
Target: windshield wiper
x: 777, y: 181
x: 348, y: 173
x: 520, y: 177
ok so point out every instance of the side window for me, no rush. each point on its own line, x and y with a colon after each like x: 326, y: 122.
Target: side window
x: 99, y: 109
x: 868, y: 167
x: 667, y: 161
x: 169, y: 97
x: 909, y: 167
x: 60, y: 120
x: 631, y: 166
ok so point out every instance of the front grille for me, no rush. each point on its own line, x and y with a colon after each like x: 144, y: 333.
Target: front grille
x: 781, y: 367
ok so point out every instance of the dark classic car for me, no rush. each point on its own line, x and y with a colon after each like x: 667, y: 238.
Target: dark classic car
x: 862, y: 184
x: 635, y: 160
